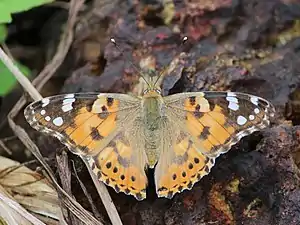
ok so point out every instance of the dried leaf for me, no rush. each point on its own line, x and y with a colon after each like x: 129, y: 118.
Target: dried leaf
x: 30, y: 189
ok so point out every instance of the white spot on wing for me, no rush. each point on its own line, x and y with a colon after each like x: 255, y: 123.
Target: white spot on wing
x: 241, y: 120
x: 69, y: 96
x: 233, y: 106
x: 67, y: 103
x: 66, y: 108
x: 254, y: 100
x: 58, y: 121
x: 47, y: 118
x: 45, y: 102
x: 256, y: 110
x: 68, y: 100
x: 43, y: 112
x: 232, y: 99
x: 251, y: 117
x: 231, y: 94
x: 265, y: 117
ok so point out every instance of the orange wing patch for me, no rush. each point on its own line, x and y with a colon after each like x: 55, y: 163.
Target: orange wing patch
x: 87, y: 124
x: 230, y: 117
x: 185, y: 170
x: 90, y: 129
x: 115, y: 166
x: 213, y: 122
x: 197, y: 103
x: 207, y: 123
x: 92, y: 124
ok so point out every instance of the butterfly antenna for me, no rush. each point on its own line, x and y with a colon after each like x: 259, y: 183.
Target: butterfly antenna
x: 184, y: 39
x: 112, y: 40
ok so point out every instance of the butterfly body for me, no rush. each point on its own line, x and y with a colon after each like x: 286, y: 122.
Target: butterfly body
x: 152, y: 109
x: 120, y: 135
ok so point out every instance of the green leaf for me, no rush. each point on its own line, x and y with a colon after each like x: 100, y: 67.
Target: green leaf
x: 7, y: 79
x: 3, y: 32
x: 8, y: 7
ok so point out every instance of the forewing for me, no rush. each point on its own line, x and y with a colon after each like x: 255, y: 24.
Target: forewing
x: 97, y: 127
x: 208, y: 124
x: 218, y: 120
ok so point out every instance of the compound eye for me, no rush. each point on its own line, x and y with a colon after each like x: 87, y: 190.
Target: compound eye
x: 158, y: 91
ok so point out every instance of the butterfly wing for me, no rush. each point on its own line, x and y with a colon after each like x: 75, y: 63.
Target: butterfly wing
x: 98, y: 127
x: 207, y: 125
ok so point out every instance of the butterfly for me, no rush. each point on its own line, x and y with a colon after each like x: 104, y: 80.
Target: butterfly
x: 121, y: 135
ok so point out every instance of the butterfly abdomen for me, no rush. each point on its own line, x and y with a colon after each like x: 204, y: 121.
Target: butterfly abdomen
x: 152, y: 117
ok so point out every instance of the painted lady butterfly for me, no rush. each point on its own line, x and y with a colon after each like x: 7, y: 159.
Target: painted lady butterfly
x: 120, y: 135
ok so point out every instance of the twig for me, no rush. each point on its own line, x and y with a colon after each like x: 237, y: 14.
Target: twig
x: 63, y: 5
x: 63, y: 46
x: 70, y: 203
x: 62, y: 50
x: 7, y: 51
x: 65, y: 179
x: 8, y: 170
x: 5, y: 139
x: 19, y: 76
x: 5, y: 148
x: 105, y: 197
x: 87, y: 194
x: 19, y: 209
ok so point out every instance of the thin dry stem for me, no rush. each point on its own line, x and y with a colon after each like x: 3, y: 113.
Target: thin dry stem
x: 70, y: 203
x: 19, y: 76
x: 88, y: 195
x: 105, y: 197
x: 5, y: 148
x: 64, y: 173
x: 18, y: 208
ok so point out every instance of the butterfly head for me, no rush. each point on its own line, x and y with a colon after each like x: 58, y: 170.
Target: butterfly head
x: 151, y: 92
x: 151, y: 78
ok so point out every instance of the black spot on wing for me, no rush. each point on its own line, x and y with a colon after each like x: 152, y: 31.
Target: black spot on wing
x: 204, y: 134
x: 192, y: 100
x: 110, y: 101
x: 108, y: 165
x: 197, y: 112
x: 104, y: 114
x: 95, y: 134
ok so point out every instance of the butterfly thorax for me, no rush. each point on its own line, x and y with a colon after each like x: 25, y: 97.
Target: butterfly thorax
x: 153, y: 114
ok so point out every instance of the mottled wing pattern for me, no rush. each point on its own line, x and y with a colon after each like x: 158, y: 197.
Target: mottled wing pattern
x: 180, y: 163
x: 209, y: 123
x: 99, y: 128
x: 121, y: 164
